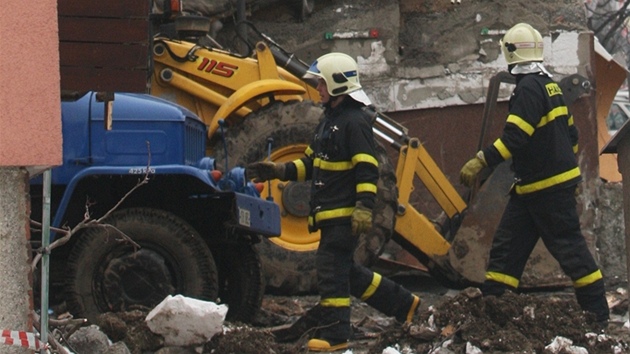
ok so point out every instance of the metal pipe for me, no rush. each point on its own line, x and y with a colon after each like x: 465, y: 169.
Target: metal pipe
x: 241, y: 16
x: 389, y: 127
x: 45, y: 257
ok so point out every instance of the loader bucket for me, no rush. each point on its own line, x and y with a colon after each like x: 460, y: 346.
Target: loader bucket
x: 469, y: 252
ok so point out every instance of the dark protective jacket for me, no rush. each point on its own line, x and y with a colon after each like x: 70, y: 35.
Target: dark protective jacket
x: 341, y: 163
x: 539, y: 136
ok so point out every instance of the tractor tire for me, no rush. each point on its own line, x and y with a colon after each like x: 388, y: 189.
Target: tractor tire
x: 107, y: 274
x: 289, y: 260
x: 241, y: 283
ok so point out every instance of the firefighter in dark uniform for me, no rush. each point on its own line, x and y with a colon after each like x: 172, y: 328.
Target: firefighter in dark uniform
x: 341, y: 164
x: 541, y: 139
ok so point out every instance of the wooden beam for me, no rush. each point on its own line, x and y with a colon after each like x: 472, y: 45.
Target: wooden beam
x: 101, y: 30
x: 104, y: 55
x: 100, y: 8
x: 103, y: 79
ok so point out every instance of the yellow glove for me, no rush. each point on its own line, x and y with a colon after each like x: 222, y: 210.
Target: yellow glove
x: 361, y: 219
x: 264, y: 171
x: 471, y: 169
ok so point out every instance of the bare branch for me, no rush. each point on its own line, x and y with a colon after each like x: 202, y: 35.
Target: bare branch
x: 72, y: 324
x: 88, y: 222
x: 607, y: 23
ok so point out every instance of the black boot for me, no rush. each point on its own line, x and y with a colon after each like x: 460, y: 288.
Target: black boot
x: 309, y: 321
x: 334, y: 330
x: 592, y: 298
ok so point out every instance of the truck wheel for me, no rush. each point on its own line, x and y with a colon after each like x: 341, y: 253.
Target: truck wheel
x: 106, y: 274
x: 289, y: 260
x: 241, y: 284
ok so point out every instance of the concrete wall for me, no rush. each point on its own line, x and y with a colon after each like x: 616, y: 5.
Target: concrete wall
x: 30, y: 114
x: 30, y: 139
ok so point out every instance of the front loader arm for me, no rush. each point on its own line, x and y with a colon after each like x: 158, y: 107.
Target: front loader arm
x: 414, y: 231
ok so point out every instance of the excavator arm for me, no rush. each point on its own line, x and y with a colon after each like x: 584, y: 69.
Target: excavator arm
x: 414, y: 231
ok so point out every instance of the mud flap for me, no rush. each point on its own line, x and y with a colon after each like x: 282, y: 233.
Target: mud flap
x: 470, y: 249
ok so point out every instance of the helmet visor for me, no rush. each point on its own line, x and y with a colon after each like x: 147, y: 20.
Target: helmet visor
x: 312, y: 72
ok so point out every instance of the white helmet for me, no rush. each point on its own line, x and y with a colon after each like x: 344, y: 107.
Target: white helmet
x: 521, y: 44
x: 340, y: 72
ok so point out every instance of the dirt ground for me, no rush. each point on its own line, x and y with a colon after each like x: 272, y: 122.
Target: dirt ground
x: 448, y: 321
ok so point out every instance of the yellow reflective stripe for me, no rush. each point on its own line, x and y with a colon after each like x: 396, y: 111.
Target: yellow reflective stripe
x: 502, y: 278
x: 503, y: 150
x: 366, y: 187
x: 570, y: 120
x: 364, y: 158
x: 334, y: 213
x: 521, y: 123
x: 575, y: 148
x: 371, y: 289
x: 551, y: 116
x: 335, y: 302
x: 548, y: 182
x: 301, y: 170
x: 308, y: 152
x: 588, y: 280
x: 332, y: 166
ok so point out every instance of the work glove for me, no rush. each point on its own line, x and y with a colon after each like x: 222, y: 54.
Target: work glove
x: 264, y: 171
x: 361, y: 219
x: 471, y: 169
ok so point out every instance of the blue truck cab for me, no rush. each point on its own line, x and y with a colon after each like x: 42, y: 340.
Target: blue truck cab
x: 152, y: 215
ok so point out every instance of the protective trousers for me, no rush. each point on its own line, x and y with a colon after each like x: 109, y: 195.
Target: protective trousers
x: 339, y: 277
x: 381, y: 293
x: 333, y: 262
x: 553, y: 217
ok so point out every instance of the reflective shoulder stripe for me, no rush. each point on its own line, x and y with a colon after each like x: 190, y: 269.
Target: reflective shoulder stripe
x: 366, y: 187
x: 589, y: 279
x: 333, y: 213
x: 502, y: 278
x: 335, y: 302
x: 521, y: 124
x: 371, y: 289
x: 364, y: 158
x: 309, y: 152
x: 503, y: 150
x: 548, y: 182
x: 301, y: 170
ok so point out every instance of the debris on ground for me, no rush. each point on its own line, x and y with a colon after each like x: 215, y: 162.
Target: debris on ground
x: 455, y: 322
x: 184, y: 321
